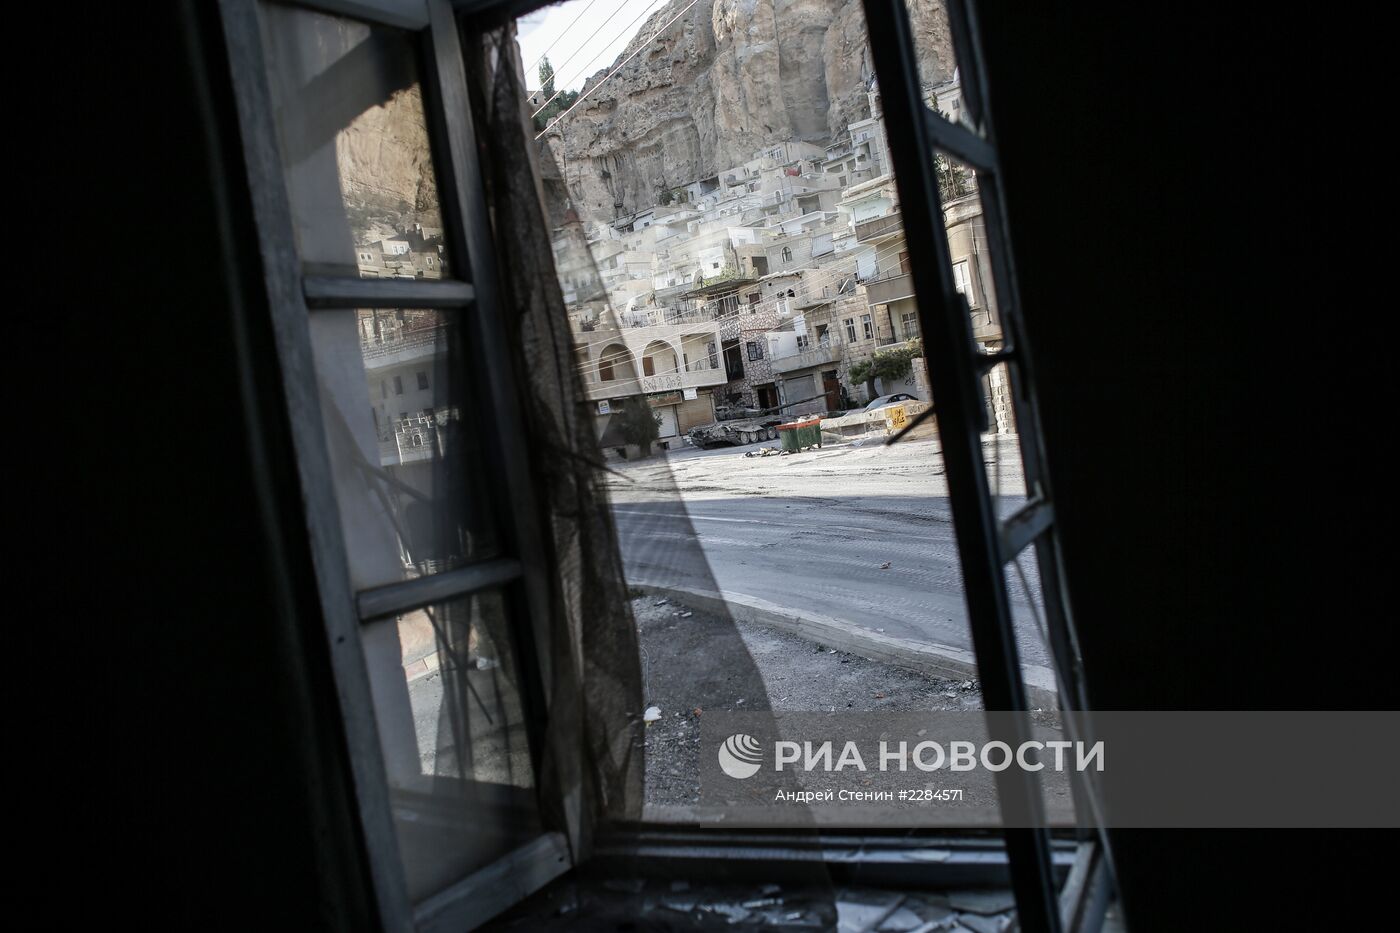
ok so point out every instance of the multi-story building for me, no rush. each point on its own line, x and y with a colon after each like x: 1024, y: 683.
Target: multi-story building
x: 808, y: 357
x: 666, y: 356
x: 414, y: 253
x: 405, y: 364
x: 761, y: 285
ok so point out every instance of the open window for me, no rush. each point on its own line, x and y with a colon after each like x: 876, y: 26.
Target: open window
x: 402, y: 253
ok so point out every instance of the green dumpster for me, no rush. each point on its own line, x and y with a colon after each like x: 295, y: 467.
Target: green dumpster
x: 801, y: 434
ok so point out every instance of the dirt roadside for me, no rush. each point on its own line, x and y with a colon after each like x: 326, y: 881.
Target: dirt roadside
x: 692, y: 661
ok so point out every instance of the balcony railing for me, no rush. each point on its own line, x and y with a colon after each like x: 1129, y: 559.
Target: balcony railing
x: 706, y: 372
x: 879, y: 227
x: 811, y: 296
x: 662, y: 317
x: 889, y: 288
x: 408, y: 442
x: 825, y: 352
x: 410, y: 345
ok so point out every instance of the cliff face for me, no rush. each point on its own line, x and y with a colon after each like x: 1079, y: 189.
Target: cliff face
x: 386, y: 168
x: 728, y: 78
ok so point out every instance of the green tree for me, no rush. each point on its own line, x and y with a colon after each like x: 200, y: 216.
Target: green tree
x: 954, y: 180
x: 640, y: 425
x: 888, y: 365
x: 546, y: 78
x: 550, y: 111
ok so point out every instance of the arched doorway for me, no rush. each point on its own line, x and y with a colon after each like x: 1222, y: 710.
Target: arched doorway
x: 660, y: 359
x: 615, y: 364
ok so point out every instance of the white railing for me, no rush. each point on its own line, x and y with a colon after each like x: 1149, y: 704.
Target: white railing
x: 828, y: 351
x: 692, y: 379
x: 413, y: 344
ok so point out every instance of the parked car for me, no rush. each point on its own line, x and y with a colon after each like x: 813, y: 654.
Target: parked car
x: 886, y: 400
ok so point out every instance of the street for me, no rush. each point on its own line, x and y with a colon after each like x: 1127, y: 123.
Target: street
x: 859, y: 533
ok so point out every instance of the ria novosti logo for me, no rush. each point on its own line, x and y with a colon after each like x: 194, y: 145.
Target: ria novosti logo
x: 740, y: 756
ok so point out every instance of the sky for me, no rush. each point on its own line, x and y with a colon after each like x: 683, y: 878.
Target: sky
x: 580, y: 37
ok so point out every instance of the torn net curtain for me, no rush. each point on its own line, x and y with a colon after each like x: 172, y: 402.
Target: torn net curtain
x: 595, y: 759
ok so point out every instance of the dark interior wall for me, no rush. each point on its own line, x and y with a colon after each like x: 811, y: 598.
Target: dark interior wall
x: 1197, y: 277
x: 219, y: 800
x: 1206, y: 292
x: 1204, y: 278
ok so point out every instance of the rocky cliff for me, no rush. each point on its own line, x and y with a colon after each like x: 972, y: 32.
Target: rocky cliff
x: 726, y: 79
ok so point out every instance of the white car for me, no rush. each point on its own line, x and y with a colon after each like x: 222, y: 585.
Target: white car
x: 887, y: 400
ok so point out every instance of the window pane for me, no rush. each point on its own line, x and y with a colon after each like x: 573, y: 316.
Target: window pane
x: 1001, y: 444
x: 970, y: 249
x: 940, y: 76
x: 812, y: 311
x: 447, y: 697
x: 354, y: 144
x: 404, y: 449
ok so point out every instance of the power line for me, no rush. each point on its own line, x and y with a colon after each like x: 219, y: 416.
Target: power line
x: 812, y: 277
x: 567, y: 30
x: 617, y: 68
x: 597, y: 55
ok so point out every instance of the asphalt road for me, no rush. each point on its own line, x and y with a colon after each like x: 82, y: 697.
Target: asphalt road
x: 813, y: 531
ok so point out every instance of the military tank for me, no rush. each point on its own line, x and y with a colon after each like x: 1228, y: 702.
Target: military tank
x: 736, y: 426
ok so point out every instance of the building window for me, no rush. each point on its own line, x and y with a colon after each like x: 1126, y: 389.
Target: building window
x: 910, y: 320
x: 422, y: 380
x: 398, y: 385
x: 787, y: 254
x: 755, y: 350
x: 383, y: 389
x: 803, y: 342
x: 867, y: 327
x: 605, y: 369
x: 962, y: 281
x: 850, y: 323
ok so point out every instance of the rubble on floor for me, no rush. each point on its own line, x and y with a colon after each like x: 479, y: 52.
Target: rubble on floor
x: 631, y: 904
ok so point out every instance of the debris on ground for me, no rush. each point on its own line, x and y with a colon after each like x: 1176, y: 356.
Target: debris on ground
x: 982, y: 902
x: 691, y: 666
x: 659, y: 903
x: 652, y: 714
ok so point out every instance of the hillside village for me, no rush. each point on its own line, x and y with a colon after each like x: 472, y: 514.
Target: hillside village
x: 761, y: 287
